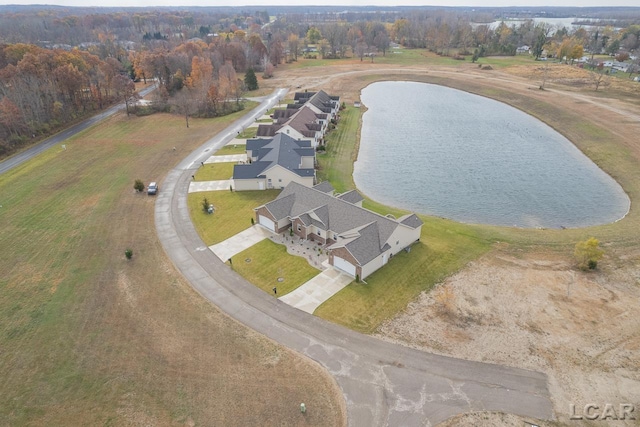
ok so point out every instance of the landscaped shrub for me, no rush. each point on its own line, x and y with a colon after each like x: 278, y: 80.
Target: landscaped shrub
x: 128, y: 253
x: 138, y: 185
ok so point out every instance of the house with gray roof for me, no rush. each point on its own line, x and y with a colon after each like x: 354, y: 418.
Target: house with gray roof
x: 299, y: 123
x: 358, y: 240
x: 274, y: 163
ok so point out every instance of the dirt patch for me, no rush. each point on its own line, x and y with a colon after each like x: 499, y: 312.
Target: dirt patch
x: 534, y: 311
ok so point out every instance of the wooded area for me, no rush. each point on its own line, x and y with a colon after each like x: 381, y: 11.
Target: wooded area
x: 60, y: 64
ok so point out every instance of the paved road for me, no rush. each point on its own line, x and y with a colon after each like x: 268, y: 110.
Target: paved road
x: 383, y: 384
x: 25, y: 155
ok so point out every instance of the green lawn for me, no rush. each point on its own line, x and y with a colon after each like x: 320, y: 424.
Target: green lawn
x: 445, y: 248
x: 336, y: 164
x: 233, y: 212
x: 231, y: 149
x: 248, y: 133
x: 215, y: 171
x: 269, y: 261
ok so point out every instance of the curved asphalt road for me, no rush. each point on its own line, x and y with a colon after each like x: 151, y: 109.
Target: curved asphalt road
x: 384, y: 384
x: 25, y: 155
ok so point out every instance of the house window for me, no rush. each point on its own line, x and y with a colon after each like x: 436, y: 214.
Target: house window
x: 269, y: 180
x: 279, y: 180
x: 299, y: 228
x: 335, y: 237
x: 397, y: 242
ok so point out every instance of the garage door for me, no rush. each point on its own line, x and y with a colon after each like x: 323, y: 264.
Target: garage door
x: 344, y: 265
x: 266, y: 222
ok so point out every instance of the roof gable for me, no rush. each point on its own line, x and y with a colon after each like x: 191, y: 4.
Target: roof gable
x: 281, y: 150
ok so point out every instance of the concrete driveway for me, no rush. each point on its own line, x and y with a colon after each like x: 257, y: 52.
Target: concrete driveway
x: 311, y: 294
x: 226, y: 159
x: 197, y: 186
x: 241, y: 241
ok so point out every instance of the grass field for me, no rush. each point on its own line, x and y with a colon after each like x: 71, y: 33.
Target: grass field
x: 269, y: 261
x: 89, y: 338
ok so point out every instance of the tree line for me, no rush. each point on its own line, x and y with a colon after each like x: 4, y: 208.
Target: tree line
x: 75, y: 64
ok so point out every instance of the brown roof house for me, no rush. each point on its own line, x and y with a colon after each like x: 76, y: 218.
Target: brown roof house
x: 359, y: 241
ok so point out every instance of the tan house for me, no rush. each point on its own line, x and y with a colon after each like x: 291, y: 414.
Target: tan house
x: 359, y: 241
x: 274, y: 163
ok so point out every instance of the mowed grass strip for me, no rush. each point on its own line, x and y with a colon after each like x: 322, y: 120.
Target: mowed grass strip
x: 268, y: 261
x: 248, y: 133
x: 336, y: 163
x: 233, y: 212
x: 215, y: 171
x: 232, y: 149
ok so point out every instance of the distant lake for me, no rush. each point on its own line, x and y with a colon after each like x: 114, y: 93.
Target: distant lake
x: 553, y: 22
x: 444, y: 152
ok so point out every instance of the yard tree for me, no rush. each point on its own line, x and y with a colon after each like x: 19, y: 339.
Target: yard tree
x: 250, y: 79
x: 576, y: 52
x: 313, y: 35
x: 126, y: 89
x: 588, y: 253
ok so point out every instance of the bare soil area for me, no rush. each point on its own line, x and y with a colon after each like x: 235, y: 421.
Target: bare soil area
x: 534, y: 310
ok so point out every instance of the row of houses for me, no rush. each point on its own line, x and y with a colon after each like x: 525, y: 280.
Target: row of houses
x: 284, y: 151
x: 282, y: 156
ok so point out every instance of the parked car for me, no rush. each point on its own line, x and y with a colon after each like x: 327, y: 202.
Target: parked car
x: 152, y: 189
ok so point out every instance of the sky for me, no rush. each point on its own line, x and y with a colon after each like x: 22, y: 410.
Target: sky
x: 474, y: 3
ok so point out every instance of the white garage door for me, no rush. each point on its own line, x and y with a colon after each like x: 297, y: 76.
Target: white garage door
x: 344, y: 265
x: 263, y: 220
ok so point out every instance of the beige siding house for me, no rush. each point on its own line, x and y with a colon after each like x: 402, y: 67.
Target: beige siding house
x: 274, y: 163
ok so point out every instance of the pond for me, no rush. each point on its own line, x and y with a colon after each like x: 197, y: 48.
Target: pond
x: 444, y: 152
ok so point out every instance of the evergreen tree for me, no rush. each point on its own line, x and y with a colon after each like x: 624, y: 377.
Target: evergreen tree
x: 250, y: 79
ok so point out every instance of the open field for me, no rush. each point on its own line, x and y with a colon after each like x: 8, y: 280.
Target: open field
x: 524, y: 303
x: 89, y: 338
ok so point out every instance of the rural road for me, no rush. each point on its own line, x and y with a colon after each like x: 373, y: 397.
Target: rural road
x: 27, y: 154
x: 384, y: 384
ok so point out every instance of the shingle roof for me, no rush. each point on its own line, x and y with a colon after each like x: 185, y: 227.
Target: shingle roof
x: 410, y: 220
x: 336, y: 215
x: 281, y: 150
x: 322, y: 101
x: 325, y: 187
x: 351, y: 196
x: 367, y: 246
x: 268, y: 130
